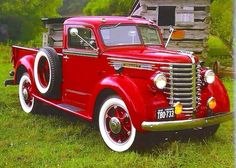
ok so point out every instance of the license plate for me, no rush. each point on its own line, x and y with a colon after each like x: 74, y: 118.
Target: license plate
x: 165, y: 114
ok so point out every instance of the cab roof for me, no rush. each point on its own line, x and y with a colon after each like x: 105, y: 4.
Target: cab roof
x: 106, y: 20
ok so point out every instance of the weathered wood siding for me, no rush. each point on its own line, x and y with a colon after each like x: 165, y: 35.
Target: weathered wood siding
x: 54, y: 36
x: 196, y: 28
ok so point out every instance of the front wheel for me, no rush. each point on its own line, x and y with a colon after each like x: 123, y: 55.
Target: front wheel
x: 115, y: 125
x: 27, y: 101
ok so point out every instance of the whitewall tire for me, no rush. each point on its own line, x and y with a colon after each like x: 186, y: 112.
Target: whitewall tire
x: 115, y: 125
x: 42, y: 84
x: 47, y: 72
x: 27, y: 101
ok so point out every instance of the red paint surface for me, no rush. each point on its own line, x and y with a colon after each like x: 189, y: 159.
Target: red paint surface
x: 85, y: 77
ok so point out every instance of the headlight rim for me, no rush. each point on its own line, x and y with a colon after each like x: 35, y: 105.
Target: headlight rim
x: 158, y: 75
x: 206, y: 76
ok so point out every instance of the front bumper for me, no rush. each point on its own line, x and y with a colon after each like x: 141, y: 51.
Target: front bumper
x: 186, y: 124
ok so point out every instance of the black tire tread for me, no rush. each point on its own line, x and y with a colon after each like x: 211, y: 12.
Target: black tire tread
x: 55, y: 64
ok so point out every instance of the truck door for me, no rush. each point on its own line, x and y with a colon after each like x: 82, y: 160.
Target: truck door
x: 80, y: 65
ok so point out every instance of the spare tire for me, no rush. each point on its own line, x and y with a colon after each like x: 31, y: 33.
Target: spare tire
x: 47, y: 72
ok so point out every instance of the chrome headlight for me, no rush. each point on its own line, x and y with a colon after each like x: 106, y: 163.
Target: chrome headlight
x: 160, y: 81
x: 209, y: 76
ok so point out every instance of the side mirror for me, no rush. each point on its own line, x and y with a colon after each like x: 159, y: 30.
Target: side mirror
x: 74, y: 32
x: 171, y: 30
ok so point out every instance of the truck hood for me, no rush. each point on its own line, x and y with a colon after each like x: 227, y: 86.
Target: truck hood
x: 155, y: 54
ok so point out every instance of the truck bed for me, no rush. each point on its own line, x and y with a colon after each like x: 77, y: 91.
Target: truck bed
x: 18, y: 52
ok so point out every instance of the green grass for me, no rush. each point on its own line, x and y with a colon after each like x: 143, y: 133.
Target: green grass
x: 5, y: 54
x: 54, y: 139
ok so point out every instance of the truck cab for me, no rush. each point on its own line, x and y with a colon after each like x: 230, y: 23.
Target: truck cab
x: 117, y: 73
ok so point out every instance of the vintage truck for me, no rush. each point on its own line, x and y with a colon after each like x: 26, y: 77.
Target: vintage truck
x: 117, y: 73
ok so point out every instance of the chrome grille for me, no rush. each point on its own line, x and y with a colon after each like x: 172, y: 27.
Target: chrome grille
x: 184, y: 86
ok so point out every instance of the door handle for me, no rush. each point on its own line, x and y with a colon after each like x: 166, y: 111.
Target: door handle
x: 66, y: 57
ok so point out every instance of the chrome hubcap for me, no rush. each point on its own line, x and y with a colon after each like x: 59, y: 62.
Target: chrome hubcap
x: 25, y: 94
x: 115, y: 125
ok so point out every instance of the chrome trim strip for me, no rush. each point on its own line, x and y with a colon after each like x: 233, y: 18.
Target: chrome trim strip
x: 190, y: 108
x: 143, y: 61
x: 133, y: 65
x: 194, y: 86
x: 181, y: 79
x: 180, y: 94
x: 184, y: 104
x: 171, y: 101
x: 176, y: 69
x: 186, y: 124
x: 180, y: 89
x: 180, y: 74
x: 77, y: 92
x: 179, y: 99
x: 181, y: 84
x: 31, y: 49
x: 79, y: 53
x: 25, y: 48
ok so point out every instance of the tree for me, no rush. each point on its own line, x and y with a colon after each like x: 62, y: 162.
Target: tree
x: 222, y: 18
x: 22, y: 17
x: 73, y: 7
x: 108, y: 7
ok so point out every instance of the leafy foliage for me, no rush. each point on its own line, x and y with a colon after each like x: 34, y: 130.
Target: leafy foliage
x: 72, y: 7
x: 108, y: 7
x: 222, y: 15
x: 218, y: 51
x: 21, y: 18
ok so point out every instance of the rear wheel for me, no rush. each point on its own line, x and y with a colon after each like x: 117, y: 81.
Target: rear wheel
x: 27, y: 101
x: 115, y: 125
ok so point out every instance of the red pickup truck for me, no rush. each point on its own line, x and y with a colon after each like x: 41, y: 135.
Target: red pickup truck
x: 117, y: 73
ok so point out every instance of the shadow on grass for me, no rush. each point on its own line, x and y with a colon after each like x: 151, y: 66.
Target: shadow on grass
x: 164, y: 140
x: 146, y: 142
x: 64, y: 119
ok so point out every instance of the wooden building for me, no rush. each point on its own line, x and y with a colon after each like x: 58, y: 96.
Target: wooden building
x: 190, y: 18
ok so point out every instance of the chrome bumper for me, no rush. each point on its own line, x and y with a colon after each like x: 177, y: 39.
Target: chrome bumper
x: 186, y: 124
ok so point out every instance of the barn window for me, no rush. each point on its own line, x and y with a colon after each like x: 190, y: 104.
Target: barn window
x: 185, y: 16
x: 166, y: 15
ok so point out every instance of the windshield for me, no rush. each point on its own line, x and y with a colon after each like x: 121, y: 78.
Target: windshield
x: 130, y: 35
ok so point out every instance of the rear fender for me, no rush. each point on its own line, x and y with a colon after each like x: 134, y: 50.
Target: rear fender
x: 26, y: 62
x: 129, y: 93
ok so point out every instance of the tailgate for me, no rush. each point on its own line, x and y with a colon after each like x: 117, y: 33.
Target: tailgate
x: 19, y: 52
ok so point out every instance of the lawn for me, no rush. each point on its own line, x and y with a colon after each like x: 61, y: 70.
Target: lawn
x: 54, y: 139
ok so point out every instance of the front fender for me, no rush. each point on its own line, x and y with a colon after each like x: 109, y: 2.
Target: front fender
x: 218, y: 91
x: 129, y: 93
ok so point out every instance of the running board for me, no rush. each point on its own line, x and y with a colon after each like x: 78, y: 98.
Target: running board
x: 65, y: 107
x: 70, y: 107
